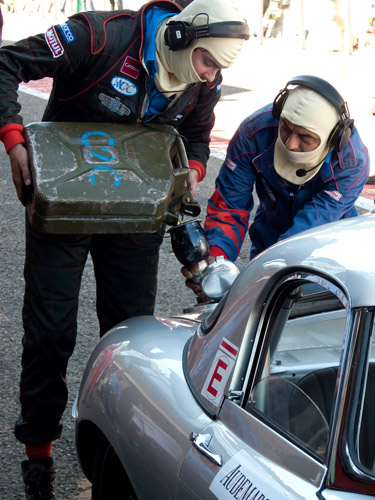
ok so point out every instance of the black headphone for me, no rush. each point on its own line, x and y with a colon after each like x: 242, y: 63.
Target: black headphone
x: 181, y: 34
x: 341, y: 132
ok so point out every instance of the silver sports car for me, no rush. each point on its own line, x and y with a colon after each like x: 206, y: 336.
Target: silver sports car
x: 269, y: 394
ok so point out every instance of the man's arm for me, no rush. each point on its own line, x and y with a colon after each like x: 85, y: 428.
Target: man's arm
x: 26, y: 60
x: 44, y: 55
x: 229, y: 208
x: 21, y: 175
x: 197, y: 129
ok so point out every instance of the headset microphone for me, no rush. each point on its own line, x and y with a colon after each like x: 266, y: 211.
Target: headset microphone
x: 301, y: 172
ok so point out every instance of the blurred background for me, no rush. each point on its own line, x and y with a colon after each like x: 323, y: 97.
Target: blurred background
x: 338, y: 24
x: 333, y: 39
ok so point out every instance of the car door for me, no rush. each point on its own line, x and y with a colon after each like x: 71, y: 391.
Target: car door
x: 257, y: 463
x: 270, y: 438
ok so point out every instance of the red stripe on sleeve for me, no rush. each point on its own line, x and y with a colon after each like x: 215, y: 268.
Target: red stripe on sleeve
x: 218, y: 252
x: 225, y: 215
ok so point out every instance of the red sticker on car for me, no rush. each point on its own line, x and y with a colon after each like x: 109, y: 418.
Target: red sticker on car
x: 221, y: 368
x: 131, y: 67
x: 53, y: 42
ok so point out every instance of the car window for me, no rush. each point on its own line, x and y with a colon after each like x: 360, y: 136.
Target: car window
x: 294, y: 384
x: 210, y: 320
x: 365, y: 442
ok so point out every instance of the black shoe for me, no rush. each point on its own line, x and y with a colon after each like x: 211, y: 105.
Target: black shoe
x: 39, y: 478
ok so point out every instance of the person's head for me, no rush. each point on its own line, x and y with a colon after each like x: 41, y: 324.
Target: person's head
x: 313, y: 119
x: 203, y: 38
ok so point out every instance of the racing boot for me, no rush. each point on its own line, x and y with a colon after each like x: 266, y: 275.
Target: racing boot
x: 39, y: 478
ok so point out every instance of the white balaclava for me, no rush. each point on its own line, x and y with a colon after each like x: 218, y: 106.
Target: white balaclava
x: 175, y: 68
x: 306, y: 108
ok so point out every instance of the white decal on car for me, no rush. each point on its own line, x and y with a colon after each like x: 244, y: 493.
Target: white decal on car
x: 220, y: 370
x: 124, y: 86
x: 235, y: 480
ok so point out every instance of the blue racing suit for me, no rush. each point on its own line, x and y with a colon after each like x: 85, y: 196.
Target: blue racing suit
x: 284, y: 208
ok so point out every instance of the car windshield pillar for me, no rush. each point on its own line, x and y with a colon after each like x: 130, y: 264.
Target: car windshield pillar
x: 356, y: 439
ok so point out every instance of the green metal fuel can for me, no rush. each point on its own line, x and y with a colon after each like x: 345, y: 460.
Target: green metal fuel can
x: 105, y: 177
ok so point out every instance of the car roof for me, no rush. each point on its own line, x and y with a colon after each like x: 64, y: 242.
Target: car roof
x: 344, y: 249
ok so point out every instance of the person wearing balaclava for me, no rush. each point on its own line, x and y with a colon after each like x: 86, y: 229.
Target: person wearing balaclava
x: 122, y: 67
x: 307, y: 109
x: 307, y: 162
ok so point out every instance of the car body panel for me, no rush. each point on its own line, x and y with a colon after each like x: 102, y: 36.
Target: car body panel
x: 331, y: 250
x: 163, y: 412
x: 154, y: 385
x: 247, y: 447
x: 251, y: 288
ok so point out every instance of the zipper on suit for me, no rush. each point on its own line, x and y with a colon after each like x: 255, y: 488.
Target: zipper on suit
x: 143, y: 109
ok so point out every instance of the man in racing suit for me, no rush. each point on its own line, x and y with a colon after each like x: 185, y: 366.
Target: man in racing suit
x: 308, y: 165
x: 121, y: 66
x: 298, y: 187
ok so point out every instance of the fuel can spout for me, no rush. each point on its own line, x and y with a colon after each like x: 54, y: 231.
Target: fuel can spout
x: 191, y: 247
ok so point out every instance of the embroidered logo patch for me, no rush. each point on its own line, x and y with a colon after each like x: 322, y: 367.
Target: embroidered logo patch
x: 131, y: 67
x: 114, y: 104
x: 67, y: 32
x: 230, y: 164
x: 123, y: 85
x: 53, y: 42
x: 334, y: 194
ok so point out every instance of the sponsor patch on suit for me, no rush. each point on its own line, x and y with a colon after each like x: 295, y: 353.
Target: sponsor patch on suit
x: 334, y: 194
x: 67, y: 32
x: 114, y: 104
x: 131, y: 67
x: 230, y: 164
x: 53, y: 42
x: 123, y: 86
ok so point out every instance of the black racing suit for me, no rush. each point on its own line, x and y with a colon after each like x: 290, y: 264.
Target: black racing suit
x: 87, y: 57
